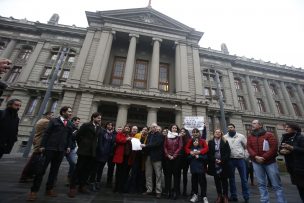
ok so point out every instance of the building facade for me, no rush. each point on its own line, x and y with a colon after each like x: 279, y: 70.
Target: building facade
x: 140, y: 66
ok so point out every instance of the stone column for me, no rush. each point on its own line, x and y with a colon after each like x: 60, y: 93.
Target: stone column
x: 154, y: 78
x: 287, y: 100
x: 178, y: 118
x: 233, y: 90
x: 77, y: 73
x: 26, y: 71
x: 105, y: 39
x: 197, y: 74
x: 270, y: 99
x: 178, y: 73
x: 301, y: 97
x: 106, y: 56
x: 9, y: 49
x: 68, y: 98
x: 252, y: 99
x: 127, y: 80
x: 94, y: 107
x: 152, y: 116
x: 83, y: 110
x: 122, y: 115
x: 184, y: 68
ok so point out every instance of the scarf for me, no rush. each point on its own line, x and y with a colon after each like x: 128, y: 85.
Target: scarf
x: 258, y: 132
x: 172, y: 135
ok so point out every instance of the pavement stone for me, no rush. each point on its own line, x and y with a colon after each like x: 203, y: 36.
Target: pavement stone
x: 11, y: 191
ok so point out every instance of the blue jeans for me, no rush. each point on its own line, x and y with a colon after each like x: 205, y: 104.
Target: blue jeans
x: 261, y: 172
x: 72, y: 159
x: 241, y: 166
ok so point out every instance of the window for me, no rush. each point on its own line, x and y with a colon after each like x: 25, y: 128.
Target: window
x: 25, y: 52
x: 207, y: 91
x: 290, y: 91
x: 140, y: 77
x: 272, y: 130
x: 279, y: 107
x: 213, y: 92
x: 248, y: 129
x: 164, y: 77
x: 273, y: 89
x: 255, y: 86
x: 296, y: 109
x: 2, y: 46
x: 209, y: 74
x: 242, y: 103
x: 261, y: 105
x: 238, y: 84
x: 32, y: 105
x: 14, y: 74
x: 118, y: 71
x: 64, y: 75
x: 52, y: 105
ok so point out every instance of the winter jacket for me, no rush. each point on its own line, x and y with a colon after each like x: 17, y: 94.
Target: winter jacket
x: 173, y: 146
x: 154, y: 146
x: 225, y: 156
x: 255, y: 147
x: 56, y: 136
x: 238, y: 144
x: 87, y: 139
x: 121, y: 141
x: 202, y: 142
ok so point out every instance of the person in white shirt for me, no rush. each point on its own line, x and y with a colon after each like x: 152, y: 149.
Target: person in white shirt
x: 238, y: 145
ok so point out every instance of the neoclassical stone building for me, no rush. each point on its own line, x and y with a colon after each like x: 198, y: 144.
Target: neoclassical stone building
x: 141, y: 66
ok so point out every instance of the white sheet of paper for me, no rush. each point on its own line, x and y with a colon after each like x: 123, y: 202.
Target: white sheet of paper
x: 265, y: 146
x: 136, y: 144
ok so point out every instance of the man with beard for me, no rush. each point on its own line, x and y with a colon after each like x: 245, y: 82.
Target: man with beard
x: 238, y: 145
x: 9, y: 122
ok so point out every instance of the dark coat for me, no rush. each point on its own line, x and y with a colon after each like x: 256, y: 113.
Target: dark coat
x: 154, y: 146
x: 74, y: 134
x: 225, y: 156
x: 56, y: 136
x: 105, y: 146
x: 87, y: 139
x: 295, y: 160
x: 9, y: 122
x: 196, y: 164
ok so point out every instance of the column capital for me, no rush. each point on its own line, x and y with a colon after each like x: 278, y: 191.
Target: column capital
x: 123, y: 105
x: 133, y: 35
x: 157, y: 39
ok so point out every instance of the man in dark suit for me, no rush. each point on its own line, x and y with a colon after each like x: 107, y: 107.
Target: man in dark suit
x: 55, y: 143
x: 9, y: 122
x: 87, y: 139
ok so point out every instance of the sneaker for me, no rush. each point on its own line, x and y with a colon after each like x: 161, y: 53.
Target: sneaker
x: 205, y: 200
x: 194, y: 198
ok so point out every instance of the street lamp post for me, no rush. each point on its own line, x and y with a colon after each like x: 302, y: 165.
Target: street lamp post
x: 47, y: 95
x: 221, y: 103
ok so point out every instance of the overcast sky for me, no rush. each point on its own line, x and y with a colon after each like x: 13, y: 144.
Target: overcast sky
x: 271, y: 30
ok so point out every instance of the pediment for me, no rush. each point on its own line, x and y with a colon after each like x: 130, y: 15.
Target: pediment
x: 147, y: 16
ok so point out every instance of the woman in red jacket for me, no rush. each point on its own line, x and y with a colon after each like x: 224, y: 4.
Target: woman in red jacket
x: 121, y: 157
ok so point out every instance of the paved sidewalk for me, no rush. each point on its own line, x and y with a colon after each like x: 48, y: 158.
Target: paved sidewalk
x: 13, y: 192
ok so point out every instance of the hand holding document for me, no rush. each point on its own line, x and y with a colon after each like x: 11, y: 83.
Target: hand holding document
x: 136, y: 144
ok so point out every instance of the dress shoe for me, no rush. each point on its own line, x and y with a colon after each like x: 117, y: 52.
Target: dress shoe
x: 233, y: 199
x: 225, y: 199
x: 158, y: 195
x: 219, y: 199
x: 51, y: 193
x: 147, y: 193
x: 32, y: 196
x: 83, y: 190
x: 72, y: 193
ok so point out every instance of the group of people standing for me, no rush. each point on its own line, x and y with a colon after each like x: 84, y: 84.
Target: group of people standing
x: 169, y: 151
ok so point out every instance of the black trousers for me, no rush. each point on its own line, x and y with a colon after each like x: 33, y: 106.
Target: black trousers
x: 199, y: 179
x: 83, y: 169
x: 172, y: 169
x: 301, y: 192
x: 100, y: 167
x: 184, y: 166
x: 51, y: 157
x: 221, y: 184
x: 122, y: 175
